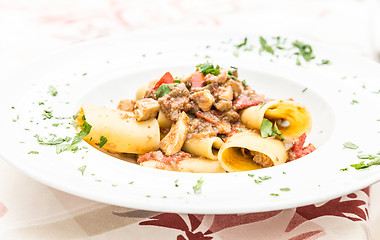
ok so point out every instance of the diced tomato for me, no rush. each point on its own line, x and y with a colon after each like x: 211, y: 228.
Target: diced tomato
x: 298, y: 150
x: 244, y: 101
x: 167, y: 78
x: 197, y: 79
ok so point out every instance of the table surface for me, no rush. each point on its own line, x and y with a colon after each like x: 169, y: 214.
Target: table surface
x: 31, y: 29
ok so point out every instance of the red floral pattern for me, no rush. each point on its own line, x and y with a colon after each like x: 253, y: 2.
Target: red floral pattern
x: 3, y: 209
x: 350, y: 208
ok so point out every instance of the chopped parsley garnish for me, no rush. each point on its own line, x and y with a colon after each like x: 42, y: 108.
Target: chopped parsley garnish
x: 344, y: 169
x: 268, y: 129
x: 47, y: 114
x: 304, y: 50
x: 244, y: 83
x: 164, y: 89
x: 207, y: 68
x: 304, y: 90
x: 176, y: 183
x: 231, y: 75
x: 33, y: 152
x: 265, y: 47
x: 103, y: 140
x: 242, y: 44
x: 52, y: 141
x: 197, y: 188
x: 251, y: 175
x: 285, y: 189
x: 265, y: 178
x: 350, y: 145
x: 354, y: 102
x: 275, y: 194
x: 81, y: 169
x: 86, y: 128
x: 363, y: 165
x: 324, y: 62
x: 53, y: 91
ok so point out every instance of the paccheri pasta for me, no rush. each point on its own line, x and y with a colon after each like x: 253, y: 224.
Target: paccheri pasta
x: 208, y: 121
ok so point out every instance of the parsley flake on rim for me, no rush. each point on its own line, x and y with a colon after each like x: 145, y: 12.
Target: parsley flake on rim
x: 197, y: 187
x: 53, y: 91
x: 244, y: 43
x: 350, y: 145
x: 86, y: 128
x: 304, y: 50
x: 81, y: 169
x: 33, y: 152
x: 265, y: 47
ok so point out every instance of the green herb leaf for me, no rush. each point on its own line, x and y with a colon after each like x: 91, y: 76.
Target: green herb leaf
x: 265, y: 178
x: 363, y: 165
x: 86, y: 128
x: 53, y: 91
x: 207, y: 68
x: 275, y: 194
x: 350, y: 145
x: 304, y: 50
x: 33, y: 152
x: 52, y: 141
x: 197, y: 188
x: 47, y: 114
x: 164, y: 89
x: 265, y: 47
x: 277, y: 132
x: 231, y: 75
x: 285, y: 189
x: 103, y: 140
x: 81, y: 169
x: 242, y: 44
x: 324, y: 62
x: 267, y: 129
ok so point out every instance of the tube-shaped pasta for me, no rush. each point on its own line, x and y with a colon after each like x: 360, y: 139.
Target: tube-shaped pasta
x: 297, y: 116
x: 163, y: 121
x: 123, y: 133
x: 141, y: 91
x: 205, y: 147
x: 193, y: 164
x: 233, y: 158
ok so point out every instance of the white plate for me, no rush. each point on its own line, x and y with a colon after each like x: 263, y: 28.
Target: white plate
x: 107, y: 70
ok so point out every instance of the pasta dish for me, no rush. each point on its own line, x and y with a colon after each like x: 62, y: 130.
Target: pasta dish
x: 206, y: 121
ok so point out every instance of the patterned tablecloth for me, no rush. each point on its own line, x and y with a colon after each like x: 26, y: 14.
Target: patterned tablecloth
x: 30, y: 29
